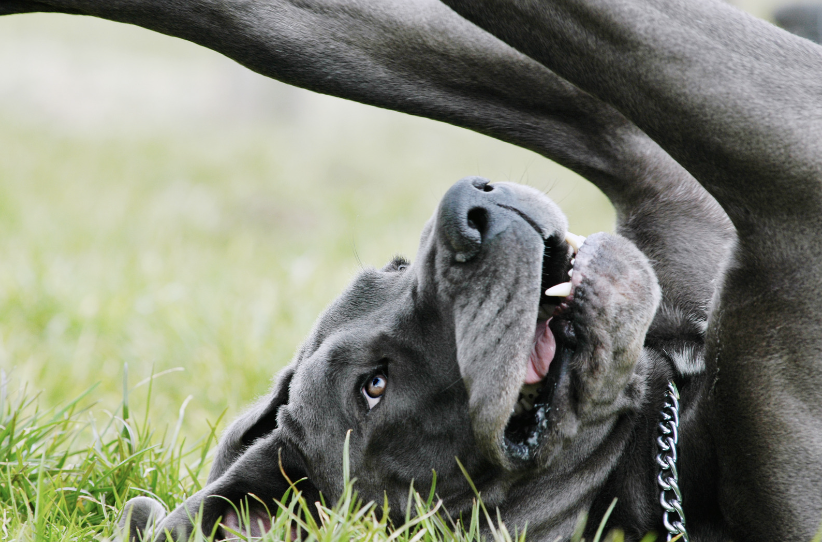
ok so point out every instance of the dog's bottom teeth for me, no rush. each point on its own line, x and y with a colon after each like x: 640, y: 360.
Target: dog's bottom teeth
x: 527, y: 397
x: 560, y: 290
x: 530, y: 390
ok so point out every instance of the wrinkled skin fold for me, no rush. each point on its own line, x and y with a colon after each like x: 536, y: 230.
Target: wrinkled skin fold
x: 700, y: 123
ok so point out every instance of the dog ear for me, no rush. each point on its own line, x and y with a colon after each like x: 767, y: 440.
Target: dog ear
x: 256, y: 423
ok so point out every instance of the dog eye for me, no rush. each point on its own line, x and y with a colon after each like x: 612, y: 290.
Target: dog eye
x: 374, y: 390
x: 402, y: 267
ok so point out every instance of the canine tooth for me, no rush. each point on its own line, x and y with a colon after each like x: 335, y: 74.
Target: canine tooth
x: 573, y: 260
x: 570, y: 273
x: 574, y: 240
x: 560, y: 290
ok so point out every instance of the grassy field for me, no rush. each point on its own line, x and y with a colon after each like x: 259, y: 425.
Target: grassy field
x: 165, y: 210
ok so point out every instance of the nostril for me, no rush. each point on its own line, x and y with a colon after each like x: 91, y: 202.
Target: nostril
x: 482, y: 184
x: 466, y: 217
x: 478, y: 219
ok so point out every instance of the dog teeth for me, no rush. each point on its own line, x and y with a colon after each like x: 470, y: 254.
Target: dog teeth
x: 530, y: 390
x: 560, y: 290
x: 575, y: 241
x: 527, y: 397
x: 570, y: 273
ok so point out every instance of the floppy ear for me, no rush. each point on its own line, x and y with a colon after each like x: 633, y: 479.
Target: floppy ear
x: 257, y: 422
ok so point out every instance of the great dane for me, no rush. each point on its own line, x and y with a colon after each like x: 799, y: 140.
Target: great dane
x: 702, y: 125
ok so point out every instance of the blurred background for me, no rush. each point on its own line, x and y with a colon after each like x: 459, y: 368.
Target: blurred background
x: 165, y: 208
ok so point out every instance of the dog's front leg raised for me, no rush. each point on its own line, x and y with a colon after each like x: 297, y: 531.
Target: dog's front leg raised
x: 739, y: 104
x: 420, y: 57
x: 415, y: 56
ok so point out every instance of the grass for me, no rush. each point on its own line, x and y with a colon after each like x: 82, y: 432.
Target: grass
x: 165, y: 212
x: 66, y: 475
x: 66, y: 472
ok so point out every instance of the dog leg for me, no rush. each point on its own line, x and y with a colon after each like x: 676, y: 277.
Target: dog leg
x: 10, y: 7
x: 139, y: 519
x: 419, y: 57
x: 246, y: 489
x: 415, y: 56
x: 739, y: 104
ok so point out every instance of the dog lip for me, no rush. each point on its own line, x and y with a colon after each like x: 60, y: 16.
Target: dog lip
x: 554, y: 342
x: 531, y: 222
x: 529, y: 418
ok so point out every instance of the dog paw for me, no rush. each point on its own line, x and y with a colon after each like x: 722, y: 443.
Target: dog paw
x: 139, y: 520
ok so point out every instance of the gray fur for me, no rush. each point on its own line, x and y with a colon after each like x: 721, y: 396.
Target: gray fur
x: 140, y: 518
x: 720, y: 201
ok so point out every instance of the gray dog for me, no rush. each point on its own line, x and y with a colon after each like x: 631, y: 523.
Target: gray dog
x: 544, y: 363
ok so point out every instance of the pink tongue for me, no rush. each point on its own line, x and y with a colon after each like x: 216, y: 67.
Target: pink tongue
x: 541, y: 353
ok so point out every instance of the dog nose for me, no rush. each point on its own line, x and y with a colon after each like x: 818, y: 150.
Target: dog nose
x: 464, y: 216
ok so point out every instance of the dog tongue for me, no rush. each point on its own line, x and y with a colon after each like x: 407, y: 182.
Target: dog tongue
x: 541, y: 353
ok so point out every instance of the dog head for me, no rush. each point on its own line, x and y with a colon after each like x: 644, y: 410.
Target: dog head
x: 459, y: 355
x: 451, y: 357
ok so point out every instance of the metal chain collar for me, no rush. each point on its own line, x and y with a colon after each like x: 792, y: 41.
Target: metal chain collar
x: 670, y: 497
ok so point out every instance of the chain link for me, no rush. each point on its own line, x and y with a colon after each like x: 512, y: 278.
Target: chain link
x: 668, y: 479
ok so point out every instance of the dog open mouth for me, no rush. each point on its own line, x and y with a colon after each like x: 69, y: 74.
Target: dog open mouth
x: 553, y: 345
